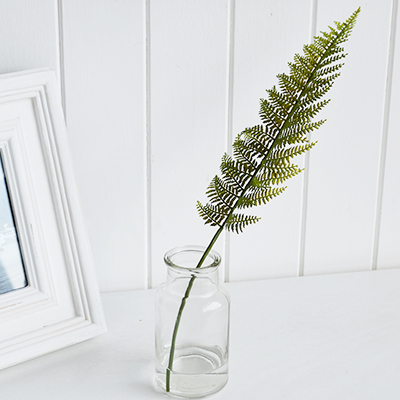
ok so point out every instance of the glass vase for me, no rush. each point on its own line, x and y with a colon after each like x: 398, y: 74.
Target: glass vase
x: 192, y: 325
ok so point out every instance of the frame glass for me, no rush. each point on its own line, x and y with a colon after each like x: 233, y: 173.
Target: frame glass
x: 12, y: 270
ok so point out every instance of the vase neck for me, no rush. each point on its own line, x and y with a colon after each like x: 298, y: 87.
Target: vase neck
x: 211, y: 274
x: 183, y: 263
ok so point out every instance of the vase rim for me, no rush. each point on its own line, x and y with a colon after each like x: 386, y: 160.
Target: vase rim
x: 209, y: 264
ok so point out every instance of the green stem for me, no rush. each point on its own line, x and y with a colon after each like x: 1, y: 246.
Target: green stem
x: 181, y: 308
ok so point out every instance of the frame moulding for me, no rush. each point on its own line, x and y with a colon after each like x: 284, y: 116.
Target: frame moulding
x: 61, y: 304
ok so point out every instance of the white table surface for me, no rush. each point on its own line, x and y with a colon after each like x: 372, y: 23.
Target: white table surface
x: 331, y: 337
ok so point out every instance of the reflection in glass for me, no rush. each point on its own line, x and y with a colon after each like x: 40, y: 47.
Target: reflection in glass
x: 12, y: 271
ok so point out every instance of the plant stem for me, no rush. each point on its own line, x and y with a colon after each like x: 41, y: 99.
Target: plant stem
x: 181, y: 308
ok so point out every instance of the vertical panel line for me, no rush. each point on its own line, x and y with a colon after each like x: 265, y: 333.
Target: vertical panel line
x: 385, y: 132
x: 61, y: 55
x: 304, y: 204
x: 229, y: 111
x: 148, y: 150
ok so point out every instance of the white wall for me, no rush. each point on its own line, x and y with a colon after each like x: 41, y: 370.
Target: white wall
x: 155, y: 90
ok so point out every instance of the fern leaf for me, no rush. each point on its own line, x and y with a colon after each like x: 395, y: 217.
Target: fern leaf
x: 261, y: 159
x: 272, y: 175
x: 212, y: 215
x: 259, y: 195
x: 237, y: 222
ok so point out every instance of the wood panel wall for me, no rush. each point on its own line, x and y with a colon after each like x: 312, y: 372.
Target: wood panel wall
x: 154, y: 92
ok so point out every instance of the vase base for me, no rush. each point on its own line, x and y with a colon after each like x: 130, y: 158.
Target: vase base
x: 204, y: 374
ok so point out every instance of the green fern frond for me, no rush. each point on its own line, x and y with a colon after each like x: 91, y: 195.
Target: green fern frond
x: 261, y: 155
x: 261, y: 159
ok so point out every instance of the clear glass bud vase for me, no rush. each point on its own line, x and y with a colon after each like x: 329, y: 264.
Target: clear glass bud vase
x: 192, y: 325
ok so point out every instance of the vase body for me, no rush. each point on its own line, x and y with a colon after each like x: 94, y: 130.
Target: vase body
x: 200, y: 303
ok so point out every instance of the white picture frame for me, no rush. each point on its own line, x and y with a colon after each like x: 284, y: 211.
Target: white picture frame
x: 60, y: 305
